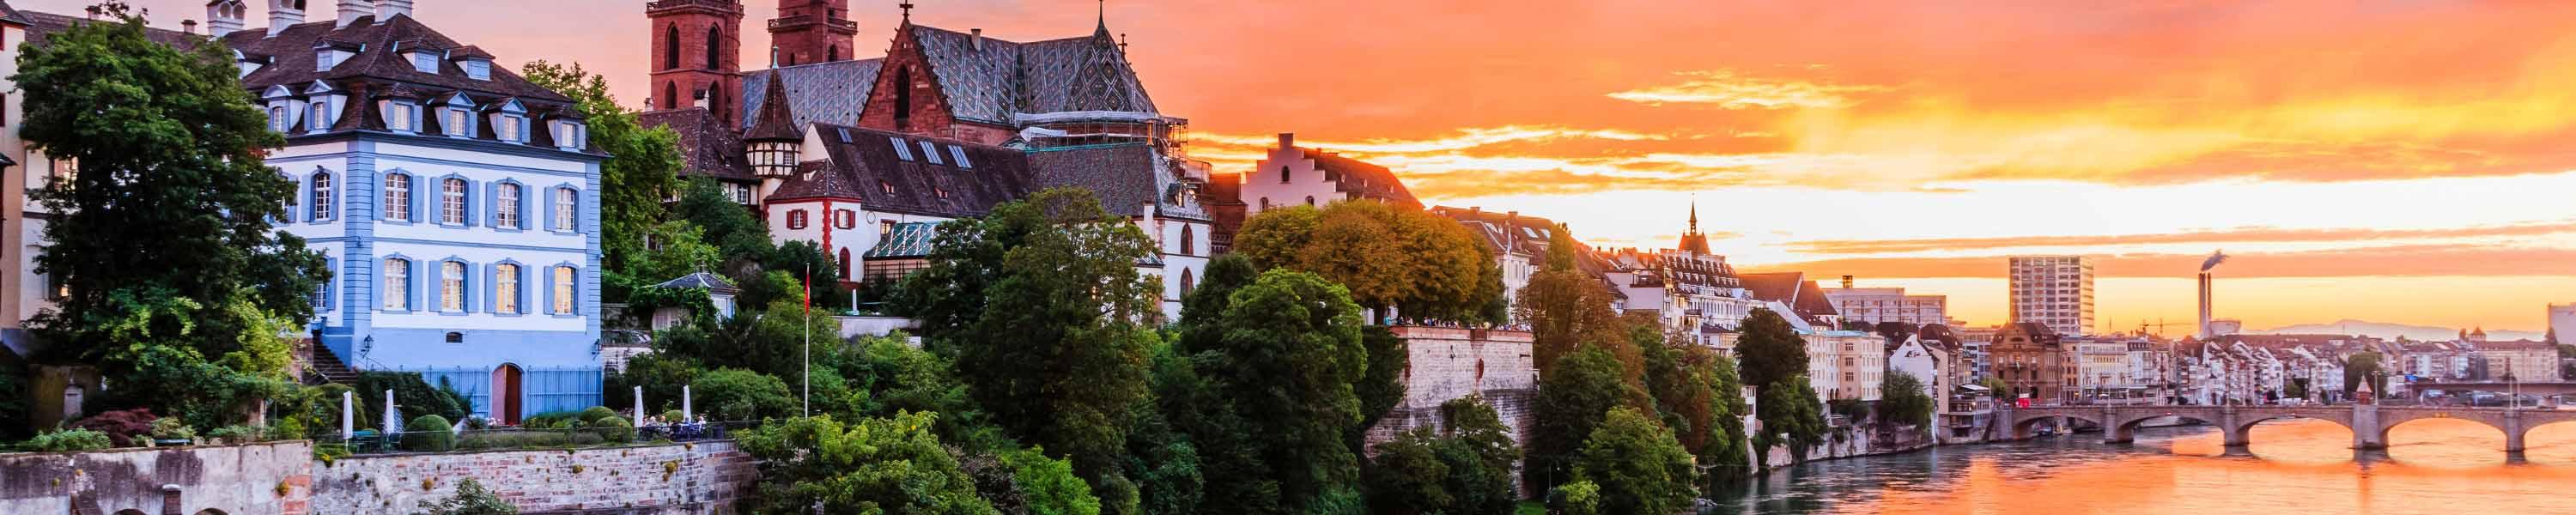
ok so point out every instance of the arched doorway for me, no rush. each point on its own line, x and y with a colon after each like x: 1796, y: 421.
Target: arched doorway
x: 505, y: 394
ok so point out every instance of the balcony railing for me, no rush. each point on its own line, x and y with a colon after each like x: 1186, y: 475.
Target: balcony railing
x: 804, y: 19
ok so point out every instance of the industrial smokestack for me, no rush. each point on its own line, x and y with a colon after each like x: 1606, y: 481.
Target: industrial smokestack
x: 2215, y: 258
x: 2205, y: 333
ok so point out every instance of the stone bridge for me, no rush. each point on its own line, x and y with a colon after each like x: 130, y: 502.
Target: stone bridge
x: 2369, y: 422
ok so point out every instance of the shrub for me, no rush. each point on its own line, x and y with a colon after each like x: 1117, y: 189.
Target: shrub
x: 470, y: 499
x: 289, y: 428
x: 511, y: 440
x: 1576, y: 498
x: 70, y: 440
x: 121, y: 426
x: 550, y: 420
x: 238, y: 434
x: 736, y: 394
x: 429, y: 433
x: 595, y: 414
x: 612, y: 430
x: 171, y: 428
x: 672, y: 416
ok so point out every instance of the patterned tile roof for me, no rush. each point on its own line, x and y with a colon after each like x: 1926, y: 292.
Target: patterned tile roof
x: 1126, y: 177
x: 997, y: 79
x: 707, y: 146
x: 908, y: 240
x: 773, y: 120
x: 11, y: 15
x: 832, y: 92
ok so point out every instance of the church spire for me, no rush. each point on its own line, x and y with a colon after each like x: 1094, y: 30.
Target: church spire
x: 1692, y: 240
x: 1102, y: 30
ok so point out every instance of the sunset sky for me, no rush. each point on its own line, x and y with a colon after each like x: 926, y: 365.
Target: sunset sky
x: 2410, y: 162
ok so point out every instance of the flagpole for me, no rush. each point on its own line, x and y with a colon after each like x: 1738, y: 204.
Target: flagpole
x: 808, y: 322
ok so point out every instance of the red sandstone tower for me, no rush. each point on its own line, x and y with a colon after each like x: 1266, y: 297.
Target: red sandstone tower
x: 697, y: 55
x: 812, y: 31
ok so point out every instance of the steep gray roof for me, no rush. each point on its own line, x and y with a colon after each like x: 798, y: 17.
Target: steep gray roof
x: 865, y: 165
x: 1126, y: 177
x: 1002, y: 78
x: 832, y: 92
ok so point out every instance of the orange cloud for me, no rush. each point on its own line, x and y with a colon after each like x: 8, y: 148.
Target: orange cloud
x: 1728, y: 89
x: 2247, y: 235
x: 2401, y: 261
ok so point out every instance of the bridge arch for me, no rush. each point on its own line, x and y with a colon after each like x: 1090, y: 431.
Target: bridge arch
x: 2390, y: 419
x: 2022, y: 422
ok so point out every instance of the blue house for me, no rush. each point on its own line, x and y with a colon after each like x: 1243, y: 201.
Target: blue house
x: 456, y: 202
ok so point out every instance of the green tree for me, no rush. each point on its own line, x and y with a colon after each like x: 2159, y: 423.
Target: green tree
x: 1041, y: 304
x: 1383, y: 385
x: 647, y: 165
x: 1790, y: 415
x: 1770, y: 349
x: 876, y: 465
x: 1902, y: 400
x: 1407, y: 476
x: 736, y: 394
x: 1572, y: 399
x: 1564, y: 307
x: 1287, y: 364
x: 1425, y: 266
x: 1637, y: 464
x: 1709, y: 407
x: 1048, y: 485
x: 163, y: 239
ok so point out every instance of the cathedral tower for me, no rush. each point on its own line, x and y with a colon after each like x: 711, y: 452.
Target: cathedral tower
x: 697, y: 55
x: 812, y: 31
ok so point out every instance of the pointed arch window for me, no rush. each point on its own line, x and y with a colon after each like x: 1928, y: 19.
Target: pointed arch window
x: 832, y: 54
x: 670, y: 95
x: 902, y: 97
x: 671, y: 47
x: 1283, y: 175
x: 1188, y: 282
x: 714, y: 37
x: 1189, y: 241
x: 845, y: 263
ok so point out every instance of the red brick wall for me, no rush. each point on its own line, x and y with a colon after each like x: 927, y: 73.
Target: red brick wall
x: 723, y: 77
x: 817, y: 40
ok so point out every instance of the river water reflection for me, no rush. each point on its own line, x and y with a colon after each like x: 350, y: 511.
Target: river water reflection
x: 2293, y: 467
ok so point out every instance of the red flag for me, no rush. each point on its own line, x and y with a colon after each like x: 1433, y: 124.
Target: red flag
x: 809, y: 291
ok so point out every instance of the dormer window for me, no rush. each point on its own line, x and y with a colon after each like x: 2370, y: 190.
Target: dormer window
x: 277, y: 118
x: 424, y: 62
x: 324, y: 59
x: 459, y: 123
x: 321, y: 116
x: 569, y: 135
x: 478, y: 69
x: 507, y: 128
x: 398, y: 117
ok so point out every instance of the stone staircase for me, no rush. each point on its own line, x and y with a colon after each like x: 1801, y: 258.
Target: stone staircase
x: 324, y: 364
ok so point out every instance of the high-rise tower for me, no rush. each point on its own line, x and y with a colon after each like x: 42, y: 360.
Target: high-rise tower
x: 697, y: 55
x: 812, y: 31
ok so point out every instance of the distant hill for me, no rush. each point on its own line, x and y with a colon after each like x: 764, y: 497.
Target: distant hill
x: 2392, y: 331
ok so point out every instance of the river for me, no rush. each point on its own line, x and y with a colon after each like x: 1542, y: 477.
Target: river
x: 2292, y: 467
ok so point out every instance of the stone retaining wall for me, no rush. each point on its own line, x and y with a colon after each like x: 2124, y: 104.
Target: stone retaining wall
x: 268, y: 478
x: 283, y: 478
x: 698, y: 478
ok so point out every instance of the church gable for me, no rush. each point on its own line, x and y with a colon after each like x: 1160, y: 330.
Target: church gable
x: 908, y: 96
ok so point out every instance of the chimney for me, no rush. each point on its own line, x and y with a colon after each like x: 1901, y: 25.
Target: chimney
x: 2204, y: 307
x: 283, y: 14
x: 979, y: 39
x: 188, y: 26
x: 387, y: 9
x: 224, y: 17
x: 1287, y: 140
x: 352, y: 10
